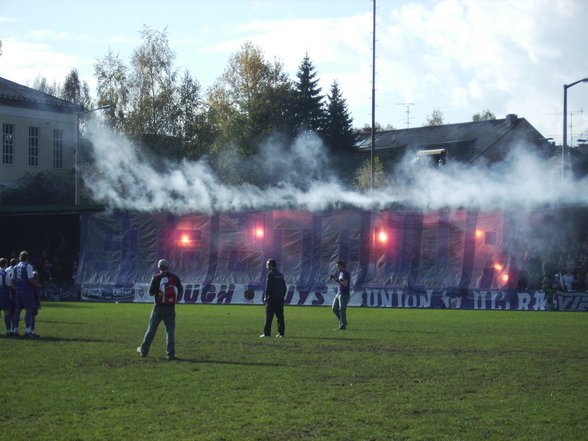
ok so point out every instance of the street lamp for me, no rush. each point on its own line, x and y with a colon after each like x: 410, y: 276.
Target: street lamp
x: 565, y: 128
x: 77, y: 181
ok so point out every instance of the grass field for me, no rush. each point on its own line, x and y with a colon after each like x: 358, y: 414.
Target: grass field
x: 395, y: 374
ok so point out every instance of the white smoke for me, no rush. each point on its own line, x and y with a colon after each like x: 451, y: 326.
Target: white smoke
x: 524, y: 179
x: 299, y: 177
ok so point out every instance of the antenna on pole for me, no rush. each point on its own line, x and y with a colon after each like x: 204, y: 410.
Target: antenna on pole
x: 575, y: 112
x: 407, y: 112
x: 373, y: 149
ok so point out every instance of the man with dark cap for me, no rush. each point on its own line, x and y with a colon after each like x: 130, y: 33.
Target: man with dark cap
x: 275, y: 291
x: 166, y: 288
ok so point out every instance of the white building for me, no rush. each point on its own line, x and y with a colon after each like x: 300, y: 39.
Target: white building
x: 38, y: 132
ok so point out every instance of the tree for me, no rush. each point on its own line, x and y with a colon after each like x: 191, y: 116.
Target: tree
x: 143, y: 95
x: 249, y: 101
x: 153, y: 84
x: 113, y: 89
x: 435, y: 118
x: 75, y: 91
x: 42, y: 85
x: 338, y: 131
x: 484, y: 115
x: 309, y: 108
x: 367, y: 128
x: 190, y: 106
x: 41, y: 188
x: 363, y: 176
x: 192, y: 123
x: 339, y: 135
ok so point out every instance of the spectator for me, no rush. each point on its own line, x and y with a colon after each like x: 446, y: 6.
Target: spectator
x: 568, y: 281
x: 166, y: 288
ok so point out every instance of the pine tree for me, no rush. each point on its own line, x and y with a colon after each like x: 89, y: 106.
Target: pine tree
x: 339, y: 134
x: 309, y: 108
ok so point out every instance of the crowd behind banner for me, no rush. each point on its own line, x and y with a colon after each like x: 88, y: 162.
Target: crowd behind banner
x: 559, y: 263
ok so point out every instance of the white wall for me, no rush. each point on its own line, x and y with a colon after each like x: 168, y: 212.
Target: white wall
x: 47, y: 121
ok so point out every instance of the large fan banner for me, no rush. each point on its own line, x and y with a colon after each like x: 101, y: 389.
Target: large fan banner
x: 402, y: 258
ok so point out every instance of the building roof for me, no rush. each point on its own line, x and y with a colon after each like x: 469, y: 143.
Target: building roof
x: 465, y: 141
x: 15, y: 94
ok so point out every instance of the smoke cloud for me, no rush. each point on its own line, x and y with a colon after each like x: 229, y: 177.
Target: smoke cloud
x: 298, y: 176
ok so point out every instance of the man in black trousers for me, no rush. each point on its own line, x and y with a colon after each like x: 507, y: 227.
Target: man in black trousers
x: 275, y: 291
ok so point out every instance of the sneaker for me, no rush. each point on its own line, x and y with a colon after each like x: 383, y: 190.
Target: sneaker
x: 340, y: 329
x: 172, y: 358
x: 32, y: 335
x: 140, y: 352
x: 263, y: 336
x: 279, y: 335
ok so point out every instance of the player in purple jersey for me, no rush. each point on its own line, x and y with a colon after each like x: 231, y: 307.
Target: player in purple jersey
x: 25, y: 283
x: 10, y: 281
x: 6, y: 297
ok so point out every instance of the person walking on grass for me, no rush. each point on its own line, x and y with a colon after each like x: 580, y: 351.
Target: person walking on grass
x: 343, y: 293
x: 275, y: 291
x: 166, y: 288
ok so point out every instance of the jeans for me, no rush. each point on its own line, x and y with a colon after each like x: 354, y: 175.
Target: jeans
x: 168, y: 315
x: 340, y: 309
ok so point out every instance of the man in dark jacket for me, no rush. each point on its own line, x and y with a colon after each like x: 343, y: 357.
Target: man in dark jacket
x: 275, y: 291
x: 166, y: 288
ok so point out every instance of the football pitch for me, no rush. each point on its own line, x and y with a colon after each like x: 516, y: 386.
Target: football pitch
x: 395, y: 374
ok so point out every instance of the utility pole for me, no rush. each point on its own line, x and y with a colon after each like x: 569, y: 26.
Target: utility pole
x: 565, y: 128
x: 373, y: 149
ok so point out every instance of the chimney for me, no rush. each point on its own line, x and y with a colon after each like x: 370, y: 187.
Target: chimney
x: 511, y: 119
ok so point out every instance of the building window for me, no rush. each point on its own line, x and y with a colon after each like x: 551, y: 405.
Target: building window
x: 57, y: 148
x: 33, y: 146
x: 7, y: 143
x: 432, y: 157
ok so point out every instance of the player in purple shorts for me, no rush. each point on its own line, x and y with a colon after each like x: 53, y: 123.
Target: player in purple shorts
x: 6, y: 298
x: 24, y: 283
x: 10, y: 282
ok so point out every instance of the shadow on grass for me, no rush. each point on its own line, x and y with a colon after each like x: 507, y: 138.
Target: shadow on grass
x: 60, y: 322
x: 203, y: 361
x: 60, y: 339
x: 329, y: 338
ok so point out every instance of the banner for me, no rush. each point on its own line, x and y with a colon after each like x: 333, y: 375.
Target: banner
x: 379, y: 298
x: 401, y: 258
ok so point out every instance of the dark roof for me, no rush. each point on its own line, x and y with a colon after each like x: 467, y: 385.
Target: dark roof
x: 464, y: 140
x: 23, y: 210
x: 12, y: 93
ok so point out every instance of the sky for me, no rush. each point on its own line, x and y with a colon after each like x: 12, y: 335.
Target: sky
x: 458, y: 56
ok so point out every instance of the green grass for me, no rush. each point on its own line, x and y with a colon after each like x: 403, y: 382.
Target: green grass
x: 395, y: 374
